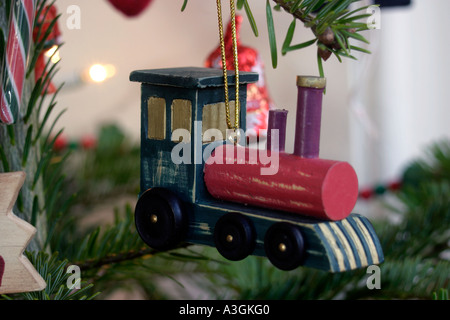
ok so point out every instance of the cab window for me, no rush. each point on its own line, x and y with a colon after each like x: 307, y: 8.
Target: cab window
x: 214, y: 117
x: 156, y: 118
x: 181, y: 118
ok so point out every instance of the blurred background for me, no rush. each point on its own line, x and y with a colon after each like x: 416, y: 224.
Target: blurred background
x: 378, y: 112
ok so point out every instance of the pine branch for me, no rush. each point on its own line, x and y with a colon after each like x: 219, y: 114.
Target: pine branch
x: 95, y: 264
x: 59, y: 285
x: 293, y: 8
x: 331, y: 23
x: 441, y: 295
x: 119, y: 243
x: 407, y: 278
x: 20, y: 150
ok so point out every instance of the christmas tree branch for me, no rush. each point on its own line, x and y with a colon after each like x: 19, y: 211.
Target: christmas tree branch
x: 293, y: 7
x: 94, y: 264
x: 332, y: 23
x: 54, y: 271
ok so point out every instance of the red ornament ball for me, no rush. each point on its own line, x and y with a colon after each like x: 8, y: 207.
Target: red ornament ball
x: 366, y: 193
x: 395, y: 185
x: 60, y: 143
x: 88, y: 142
x: 130, y: 8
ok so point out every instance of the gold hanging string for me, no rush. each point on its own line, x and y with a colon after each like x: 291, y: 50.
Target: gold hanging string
x: 224, y: 63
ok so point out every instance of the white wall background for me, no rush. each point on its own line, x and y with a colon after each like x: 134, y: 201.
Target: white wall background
x: 378, y: 113
x: 406, y: 96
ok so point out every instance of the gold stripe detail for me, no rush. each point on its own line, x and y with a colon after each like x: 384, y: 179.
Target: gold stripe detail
x: 369, y: 241
x: 333, y: 244
x: 346, y: 244
x: 357, y: 241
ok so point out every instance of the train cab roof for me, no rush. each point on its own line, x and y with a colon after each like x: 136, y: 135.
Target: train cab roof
x: 190, y: 77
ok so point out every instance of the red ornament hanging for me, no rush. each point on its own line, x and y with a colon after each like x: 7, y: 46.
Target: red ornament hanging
x: 258, y: 100
x: 130, y: 8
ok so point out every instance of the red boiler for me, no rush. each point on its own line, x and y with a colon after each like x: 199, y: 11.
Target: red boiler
x: 323, y: 189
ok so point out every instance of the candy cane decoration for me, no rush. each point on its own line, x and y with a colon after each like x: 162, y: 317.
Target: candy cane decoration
x: 16, y: 57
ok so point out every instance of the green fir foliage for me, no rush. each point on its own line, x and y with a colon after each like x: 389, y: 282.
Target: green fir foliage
x: 333, y: 24
x: 336, y: 29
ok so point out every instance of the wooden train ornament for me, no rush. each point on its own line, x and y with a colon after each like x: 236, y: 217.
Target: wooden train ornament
x: 196, y: 187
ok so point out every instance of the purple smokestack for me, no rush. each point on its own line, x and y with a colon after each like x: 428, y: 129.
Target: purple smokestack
x: 277, y: 120
x: 309, y: 115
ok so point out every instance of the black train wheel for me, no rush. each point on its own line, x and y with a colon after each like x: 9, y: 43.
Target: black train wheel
x: 160, y: 220
x: 284, y: 246
x: 234, y: 236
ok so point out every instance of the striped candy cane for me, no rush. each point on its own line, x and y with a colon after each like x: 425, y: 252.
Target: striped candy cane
x: 16, y: 58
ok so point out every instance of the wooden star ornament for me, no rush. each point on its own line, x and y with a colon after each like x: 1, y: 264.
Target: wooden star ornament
x: 17, y: 274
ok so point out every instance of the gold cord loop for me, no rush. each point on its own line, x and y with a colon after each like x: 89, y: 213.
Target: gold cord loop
x: 224, y: 63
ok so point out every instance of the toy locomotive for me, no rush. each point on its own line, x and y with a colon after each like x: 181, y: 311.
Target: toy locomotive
x: 198, y: 188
